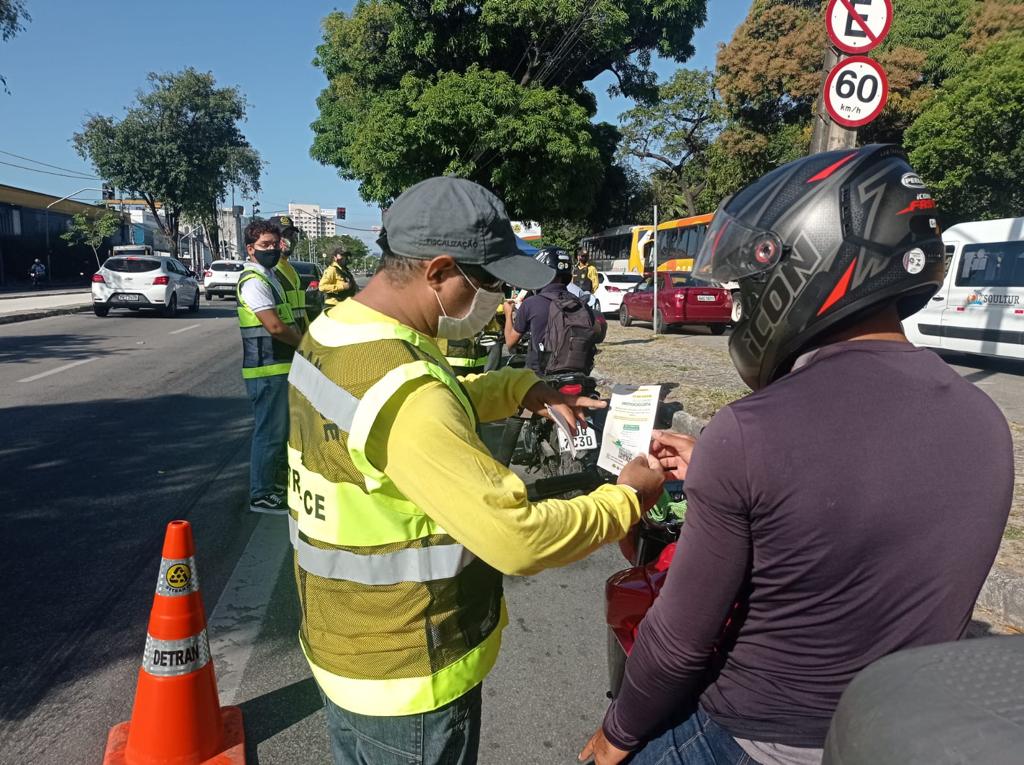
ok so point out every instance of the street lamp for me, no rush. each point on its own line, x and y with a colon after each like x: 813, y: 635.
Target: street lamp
x: 46, y: 223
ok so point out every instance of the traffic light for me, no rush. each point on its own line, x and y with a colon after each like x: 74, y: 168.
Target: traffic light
x: 341, y: 213
x: 255, y: 209
x: 108, y: 191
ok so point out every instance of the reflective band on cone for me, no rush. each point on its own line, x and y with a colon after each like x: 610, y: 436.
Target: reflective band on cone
x: 177, y: 718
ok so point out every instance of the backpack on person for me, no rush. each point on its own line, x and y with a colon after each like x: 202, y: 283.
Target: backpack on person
x: 571, y: 339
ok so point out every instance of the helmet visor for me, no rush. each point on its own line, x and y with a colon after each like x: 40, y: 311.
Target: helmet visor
x: 732, y: 250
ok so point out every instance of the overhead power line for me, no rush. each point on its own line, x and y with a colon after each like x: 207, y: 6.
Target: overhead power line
x: 48, y: 172
x: 44, y: 164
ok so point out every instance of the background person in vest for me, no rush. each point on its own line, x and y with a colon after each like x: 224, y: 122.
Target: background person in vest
x: 338, y: 283
x: 286, y: 273
x: 535, y: 313
x: 584, y: 275
x: 402, y: 522
x: 269, y: 339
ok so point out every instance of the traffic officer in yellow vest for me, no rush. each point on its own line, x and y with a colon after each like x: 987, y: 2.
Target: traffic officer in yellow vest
x: 472, y: 356
x: 584, y: 275
x: 286, y: 273
x: 269, y: 339
x: 338, y: 283
x: 401, y: 521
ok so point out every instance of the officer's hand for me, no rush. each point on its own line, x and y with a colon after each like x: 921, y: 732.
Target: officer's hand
x: 673, y: 451
x: 644, y: 474
x: 542, y: 398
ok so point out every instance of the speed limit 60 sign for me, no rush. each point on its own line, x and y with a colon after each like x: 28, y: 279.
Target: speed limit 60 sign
x: 856, y: 91
x: 857, y: 26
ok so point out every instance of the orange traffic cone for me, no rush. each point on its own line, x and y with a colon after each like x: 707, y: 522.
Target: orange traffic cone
x: 177, y: 719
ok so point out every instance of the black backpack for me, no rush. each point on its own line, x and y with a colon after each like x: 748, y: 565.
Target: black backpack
x: 571, y: 339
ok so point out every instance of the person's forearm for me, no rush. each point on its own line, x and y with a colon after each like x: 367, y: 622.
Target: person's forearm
x: 678, y: 635
x: 447, y: 472
x: 288, y: 335
x: 499, y: 394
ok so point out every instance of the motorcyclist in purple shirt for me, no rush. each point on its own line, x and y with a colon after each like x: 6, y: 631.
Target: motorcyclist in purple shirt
x: 850, y: 507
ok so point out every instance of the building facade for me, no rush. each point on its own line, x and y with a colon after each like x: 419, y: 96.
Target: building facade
x: 311, y: 220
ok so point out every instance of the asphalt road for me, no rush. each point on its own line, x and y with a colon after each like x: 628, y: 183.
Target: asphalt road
x: 115, y: 426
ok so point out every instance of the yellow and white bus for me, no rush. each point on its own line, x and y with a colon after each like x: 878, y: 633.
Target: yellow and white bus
x: 615, y: 249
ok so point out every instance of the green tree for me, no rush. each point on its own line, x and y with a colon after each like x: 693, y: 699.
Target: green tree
x: 968, y: 142
x: 676, y: 133
x: 12, y: 20
x: 180, y: 144
x: 92, y: 231
x: 493, y: 90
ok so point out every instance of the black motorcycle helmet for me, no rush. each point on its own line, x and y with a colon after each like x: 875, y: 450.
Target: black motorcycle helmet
x: 556, y: 259
x: 817, y: 245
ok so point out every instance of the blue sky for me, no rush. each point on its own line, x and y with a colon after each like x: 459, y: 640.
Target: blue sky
x: 76, y: 58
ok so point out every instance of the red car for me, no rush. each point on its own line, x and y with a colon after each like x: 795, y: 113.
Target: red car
x: 682, y: 299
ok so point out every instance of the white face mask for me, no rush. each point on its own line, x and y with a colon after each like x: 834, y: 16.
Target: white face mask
x: 481, y: 310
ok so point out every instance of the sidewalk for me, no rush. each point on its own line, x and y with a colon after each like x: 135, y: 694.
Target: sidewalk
x: 38, y: 305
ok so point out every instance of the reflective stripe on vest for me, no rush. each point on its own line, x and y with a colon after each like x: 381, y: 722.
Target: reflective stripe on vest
x: 413, y: 564
x: 457, y: 362
x: 410, y: 695
x: 261, y: 354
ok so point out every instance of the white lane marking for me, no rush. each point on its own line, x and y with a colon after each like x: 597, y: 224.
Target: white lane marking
x: 238, y: 616
x: 41, y: 375
x: 183, y: 329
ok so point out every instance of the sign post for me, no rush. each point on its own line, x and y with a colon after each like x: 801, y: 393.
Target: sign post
x: 856, y: 87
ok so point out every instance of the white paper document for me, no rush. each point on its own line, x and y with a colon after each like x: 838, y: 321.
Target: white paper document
x: 627, y: 430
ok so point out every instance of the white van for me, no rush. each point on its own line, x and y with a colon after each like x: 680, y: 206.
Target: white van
x: 980, y: 306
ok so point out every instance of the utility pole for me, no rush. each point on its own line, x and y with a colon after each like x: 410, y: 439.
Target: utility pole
x: 828, y: 135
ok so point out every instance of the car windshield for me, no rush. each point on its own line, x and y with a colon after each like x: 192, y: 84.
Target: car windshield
x: 132, y: 265
x: 228, y: 266
x: 625, y: 278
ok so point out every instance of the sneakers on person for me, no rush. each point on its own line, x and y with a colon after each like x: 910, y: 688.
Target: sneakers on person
x: 272, y: 504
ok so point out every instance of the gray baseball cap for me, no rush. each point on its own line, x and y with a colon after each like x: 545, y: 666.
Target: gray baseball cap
x: 456, y: 217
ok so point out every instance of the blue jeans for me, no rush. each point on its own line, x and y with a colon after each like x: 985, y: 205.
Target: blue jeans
x: 446, y: 736
x: 268, y: 459
x: 697, y: 740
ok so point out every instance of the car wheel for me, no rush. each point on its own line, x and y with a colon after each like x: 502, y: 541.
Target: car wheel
x: 737, y: 307
x: 717, y: 329
x: 171, y: 309
x: 100, y: 310
x: 624, y: 318
x: 194, y: 308
x: 209, y: 297
x: 660, y: 327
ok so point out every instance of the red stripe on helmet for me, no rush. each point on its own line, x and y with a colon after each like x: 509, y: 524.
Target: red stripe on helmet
x: 832, y: 168
x: 840, y: 289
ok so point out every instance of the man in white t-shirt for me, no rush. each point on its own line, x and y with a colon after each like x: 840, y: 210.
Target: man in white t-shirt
x: 269, y: 340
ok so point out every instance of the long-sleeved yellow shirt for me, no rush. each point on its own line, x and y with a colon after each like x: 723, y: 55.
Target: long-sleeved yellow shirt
x: 427, y: 446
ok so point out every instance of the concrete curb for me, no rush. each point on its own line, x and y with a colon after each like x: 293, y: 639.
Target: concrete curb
x: 1003, y: 591
x: 44, y: 313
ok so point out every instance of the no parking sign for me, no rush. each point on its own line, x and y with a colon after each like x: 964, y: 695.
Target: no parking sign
x: 858, y: 26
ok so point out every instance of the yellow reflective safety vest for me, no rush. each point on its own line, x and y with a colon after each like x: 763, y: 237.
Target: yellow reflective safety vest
x: 397, y: 617
x: 292, y: 285
x: 262, y: 355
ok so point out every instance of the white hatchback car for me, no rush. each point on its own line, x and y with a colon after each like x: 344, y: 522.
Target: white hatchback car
x: 612, y: 286
x: 221, y: 278
x: 144, y: 281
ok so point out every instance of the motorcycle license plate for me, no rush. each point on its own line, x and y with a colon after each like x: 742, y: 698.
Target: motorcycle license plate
x: 128, y: 298
x: 584, y: 442
x: 705, y: 298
